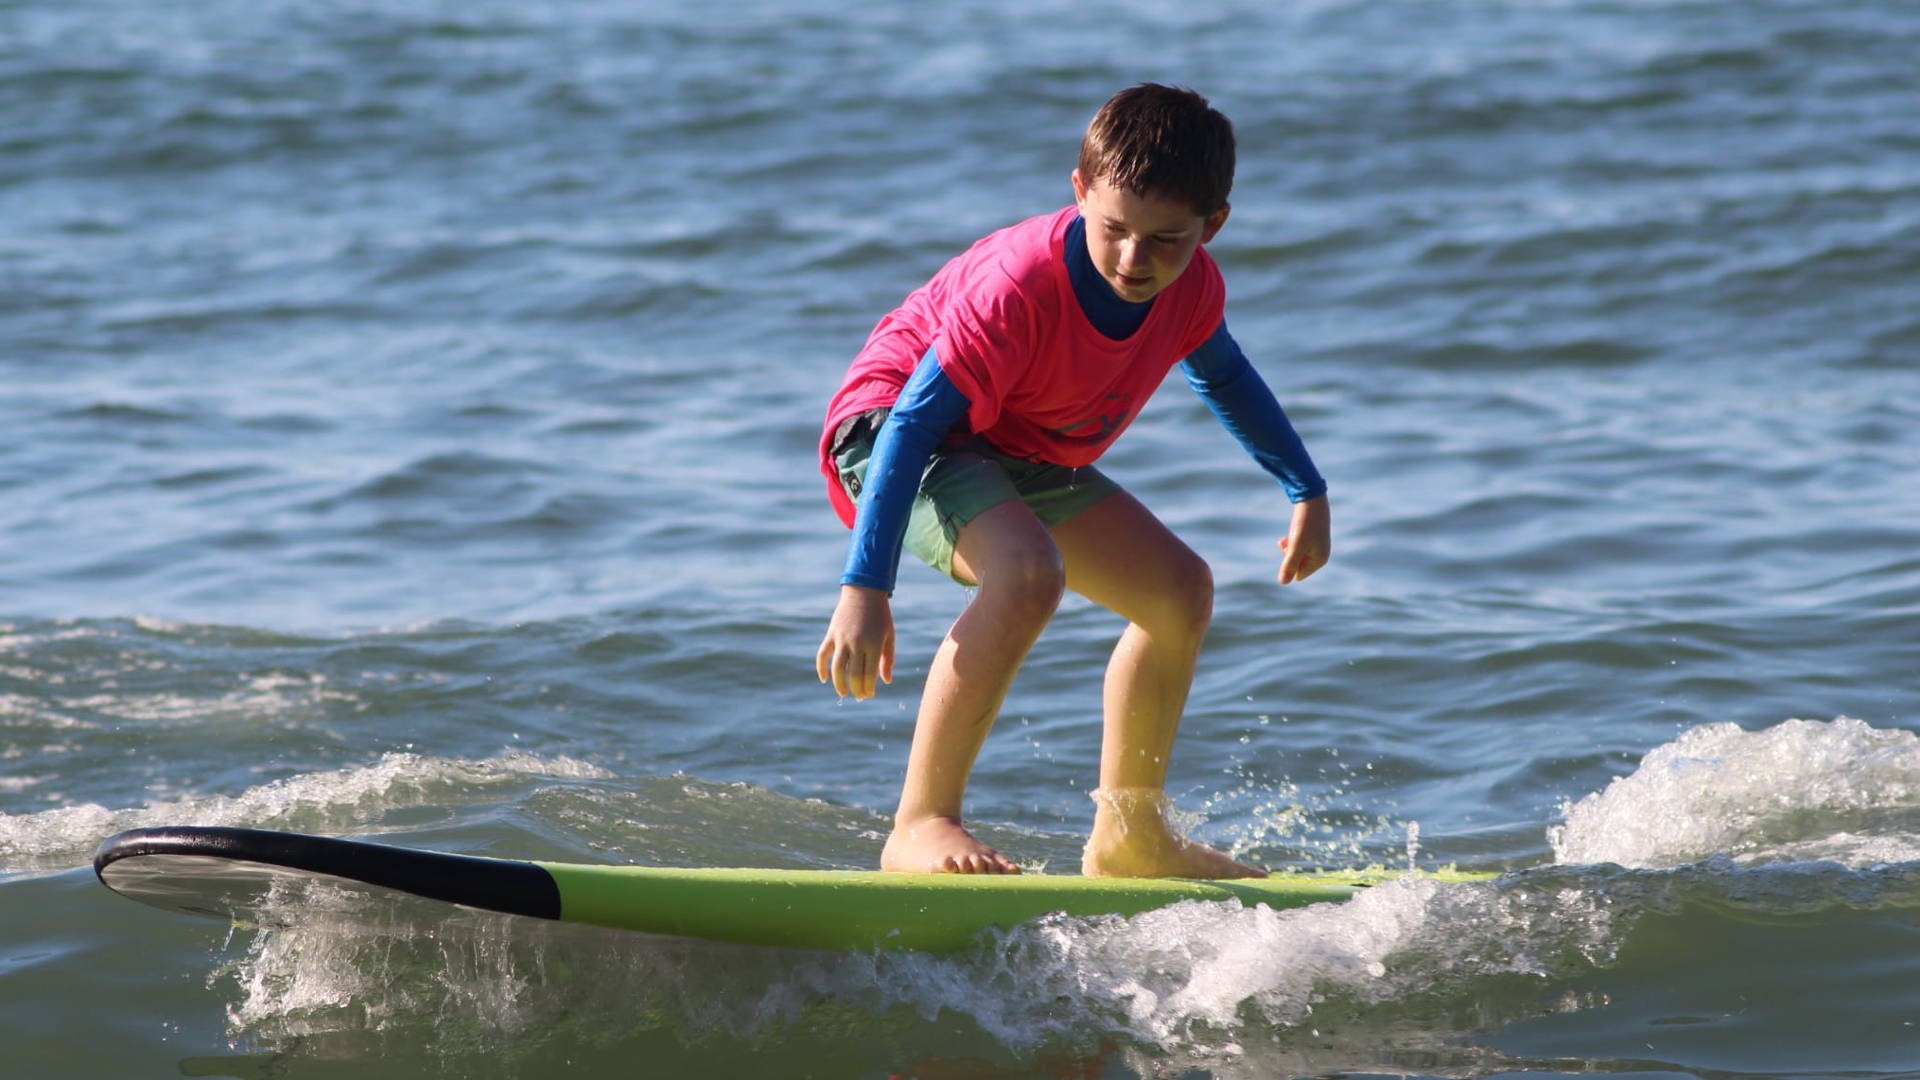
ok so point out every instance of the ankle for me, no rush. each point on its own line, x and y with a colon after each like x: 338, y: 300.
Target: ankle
x: 1137, y: 832
x: 906, y: 821
x: 1131, y: 809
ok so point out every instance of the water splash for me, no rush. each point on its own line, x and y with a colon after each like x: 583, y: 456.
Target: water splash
x: 1195, y: 980
x: 1195, y: 974
x: 1280, y: 824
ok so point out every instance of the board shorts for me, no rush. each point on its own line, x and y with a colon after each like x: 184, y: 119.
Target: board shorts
x: 964, y: 478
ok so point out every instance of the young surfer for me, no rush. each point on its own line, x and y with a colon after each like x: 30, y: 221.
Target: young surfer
x: 966, y: 430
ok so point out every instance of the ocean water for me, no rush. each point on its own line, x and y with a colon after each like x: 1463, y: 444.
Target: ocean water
x: 407, y: 430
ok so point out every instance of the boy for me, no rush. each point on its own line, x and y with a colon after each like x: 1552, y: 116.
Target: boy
x: 971, y: 420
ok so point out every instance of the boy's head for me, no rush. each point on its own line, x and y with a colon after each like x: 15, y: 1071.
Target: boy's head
x: 1155, y: 168
x: 1161, y: 142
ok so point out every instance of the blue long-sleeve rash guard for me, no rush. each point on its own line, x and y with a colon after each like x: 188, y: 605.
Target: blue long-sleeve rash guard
x: 930, y: 405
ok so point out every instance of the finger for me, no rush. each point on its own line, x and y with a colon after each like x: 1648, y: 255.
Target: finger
x: 886, y: 662
x: 842, y: 678
x: 1289, y: 563
x: 855, y: 679
x: 823, y: 660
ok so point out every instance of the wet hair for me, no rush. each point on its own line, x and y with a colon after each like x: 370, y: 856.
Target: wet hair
x: 1161, y: 141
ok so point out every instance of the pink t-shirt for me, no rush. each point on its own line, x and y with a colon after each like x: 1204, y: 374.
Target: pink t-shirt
x: 1041, y: 382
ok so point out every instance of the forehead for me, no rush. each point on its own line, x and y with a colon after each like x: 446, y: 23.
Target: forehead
x: 1148, y: 213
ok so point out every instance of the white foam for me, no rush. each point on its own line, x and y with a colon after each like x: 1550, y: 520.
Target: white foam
x: 1841, y: 791
x: 333, y: 801
x: 269, y: 694
x: 1194, y: 974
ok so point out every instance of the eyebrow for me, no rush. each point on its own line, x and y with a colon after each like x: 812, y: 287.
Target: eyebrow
x: 1116, y: 223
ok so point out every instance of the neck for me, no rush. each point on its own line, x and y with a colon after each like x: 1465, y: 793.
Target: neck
x: 1113, y: 317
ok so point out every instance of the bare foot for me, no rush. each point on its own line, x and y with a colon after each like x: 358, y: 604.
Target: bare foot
x: 1132, y: 837
x: 941, y: 846
x: 1181, y: 859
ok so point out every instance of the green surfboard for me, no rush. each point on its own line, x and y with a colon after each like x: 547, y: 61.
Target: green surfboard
x: 226, y: 872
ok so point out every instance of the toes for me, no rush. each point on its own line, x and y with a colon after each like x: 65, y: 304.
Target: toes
x: 975, y: 862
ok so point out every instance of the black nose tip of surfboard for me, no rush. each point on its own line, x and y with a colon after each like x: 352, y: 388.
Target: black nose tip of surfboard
x: 206, y: 869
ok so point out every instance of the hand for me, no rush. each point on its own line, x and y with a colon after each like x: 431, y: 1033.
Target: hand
x: 859, y: 643
x: 1309, y: 541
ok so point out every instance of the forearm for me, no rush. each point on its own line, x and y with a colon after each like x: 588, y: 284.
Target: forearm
x: 900, y: 453
x: 1223, y: 377
x: 926, y: 410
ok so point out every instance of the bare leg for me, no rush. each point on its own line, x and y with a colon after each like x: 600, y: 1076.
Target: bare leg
x: 1008, y: 553
x: 1121, y: 557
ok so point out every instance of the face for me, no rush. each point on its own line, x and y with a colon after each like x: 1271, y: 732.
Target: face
x: 1140, y: 244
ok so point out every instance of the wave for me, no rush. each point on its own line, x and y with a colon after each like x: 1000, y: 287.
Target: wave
x: 352, y: 799
x: 1843, y: 792
x: 1407, y: 973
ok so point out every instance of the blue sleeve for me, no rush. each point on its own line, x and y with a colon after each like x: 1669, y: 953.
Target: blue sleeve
x: 1221, y: 374
x: 928, y: 407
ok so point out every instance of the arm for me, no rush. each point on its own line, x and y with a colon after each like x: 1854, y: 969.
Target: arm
x: 1221, y: 374
x: 858, y: 647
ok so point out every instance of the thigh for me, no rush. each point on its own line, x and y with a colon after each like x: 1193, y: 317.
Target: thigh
x: 1122, y: 557
x: 964, y: 483
x: 1008, y: 541
x: 958, y: 486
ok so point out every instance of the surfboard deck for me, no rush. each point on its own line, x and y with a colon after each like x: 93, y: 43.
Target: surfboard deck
x: 227, y: 873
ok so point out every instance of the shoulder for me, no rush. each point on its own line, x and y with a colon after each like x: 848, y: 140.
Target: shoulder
x: 1206, y: 274
x: 1024, y: 253
x: 1201, y: 284
x: 1203, y: 293
x: 1008, y: 273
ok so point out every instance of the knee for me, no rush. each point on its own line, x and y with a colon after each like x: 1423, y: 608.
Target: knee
x: 1186, y: 606
x: 1028, y: 584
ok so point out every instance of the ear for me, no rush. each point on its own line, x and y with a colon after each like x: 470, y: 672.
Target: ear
x: 1213, y: 223
x: 1079, y: 189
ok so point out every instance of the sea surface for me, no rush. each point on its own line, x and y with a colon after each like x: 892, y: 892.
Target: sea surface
x: 407, y: 414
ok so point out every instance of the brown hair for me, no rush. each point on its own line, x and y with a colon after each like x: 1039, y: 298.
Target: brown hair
x: 1162, y: 141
